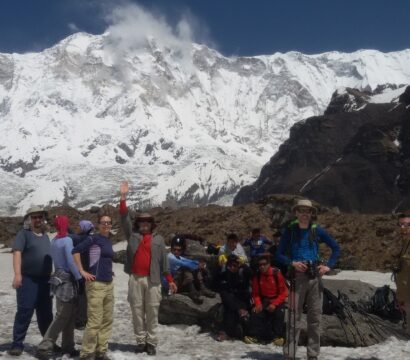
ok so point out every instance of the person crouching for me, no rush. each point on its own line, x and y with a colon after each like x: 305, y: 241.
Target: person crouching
x: 269, y: 293
x: 188, y: 274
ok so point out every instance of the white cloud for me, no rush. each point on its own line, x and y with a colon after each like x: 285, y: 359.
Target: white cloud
x: 73, y: 27
x: 133, y: 29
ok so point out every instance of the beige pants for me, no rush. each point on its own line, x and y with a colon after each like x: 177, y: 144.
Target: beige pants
x: 63, y: 323
x: 144, y: 299
x: 309, y: 292
x: 100, y: 296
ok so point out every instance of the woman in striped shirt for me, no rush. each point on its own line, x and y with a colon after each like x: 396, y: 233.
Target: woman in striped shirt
x: 100, y: 290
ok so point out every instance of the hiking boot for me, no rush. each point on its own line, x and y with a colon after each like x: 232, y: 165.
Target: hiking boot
x: 279, y: 341
x: 151, y: 350
x: 44, y: 354
x: 207, y: 293
x: 140, y: 348
x: 102, y: 356
x: 87, y: 357
x: 250, y: 340
x: 71, y: 353
x: 15, y: 351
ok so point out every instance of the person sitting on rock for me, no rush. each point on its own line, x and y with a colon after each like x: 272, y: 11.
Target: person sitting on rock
x: 233, y: 286
x: 232, y: 246
x: 269, y: 293
x: 188, y: 274
x: 257, y: 243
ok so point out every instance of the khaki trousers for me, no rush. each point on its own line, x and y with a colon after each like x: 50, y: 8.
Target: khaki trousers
x: 144, y: 299
x: 310, y: 292
x: 63, y: 323
x: 100, y: 307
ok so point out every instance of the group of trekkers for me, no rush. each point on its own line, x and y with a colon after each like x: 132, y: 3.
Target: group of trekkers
x: 263, y: 297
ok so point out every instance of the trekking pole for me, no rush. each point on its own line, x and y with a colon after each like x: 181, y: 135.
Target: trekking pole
x: 292, y: 314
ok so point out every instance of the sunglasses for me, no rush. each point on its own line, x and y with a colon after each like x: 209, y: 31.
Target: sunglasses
x: 304, y: 211
x: 105, y: 223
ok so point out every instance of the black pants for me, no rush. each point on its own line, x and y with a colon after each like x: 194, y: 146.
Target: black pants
x: 266, y: 326
x: 233, y: 324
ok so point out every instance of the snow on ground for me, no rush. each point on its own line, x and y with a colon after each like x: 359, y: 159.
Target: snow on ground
x: 184, y: 342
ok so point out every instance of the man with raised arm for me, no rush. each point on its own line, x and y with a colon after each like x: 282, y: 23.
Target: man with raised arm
x: 145, y: 262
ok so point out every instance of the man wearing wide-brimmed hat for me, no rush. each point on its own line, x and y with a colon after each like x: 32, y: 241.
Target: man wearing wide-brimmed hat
x: 146, y: 262
x: 32, y: 266
x: 299, y: 250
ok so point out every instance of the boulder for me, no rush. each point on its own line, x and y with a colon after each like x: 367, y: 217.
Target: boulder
x: 180, y: 309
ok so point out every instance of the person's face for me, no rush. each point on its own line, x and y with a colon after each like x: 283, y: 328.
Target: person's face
x: 145, y: 227
x: 104, y: 226
x: 304, y: 214
x: 232, y: 244
x: 177, y: 250
x: 404, y: 224
x: 263, y: 266
x: 233, y: 267
x: 37, y: 220
x: 256, y: 235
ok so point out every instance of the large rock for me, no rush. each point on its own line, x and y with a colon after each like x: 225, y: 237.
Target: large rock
x: 180, y: 309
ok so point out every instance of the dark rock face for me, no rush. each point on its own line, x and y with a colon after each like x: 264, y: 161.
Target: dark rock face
x: 356, y: 161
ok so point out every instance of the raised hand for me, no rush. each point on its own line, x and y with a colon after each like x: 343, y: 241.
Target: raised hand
x: 124, y: 189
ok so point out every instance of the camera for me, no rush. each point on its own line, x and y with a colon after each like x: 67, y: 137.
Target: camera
x: 311, y: 271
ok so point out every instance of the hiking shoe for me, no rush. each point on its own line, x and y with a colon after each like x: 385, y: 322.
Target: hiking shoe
x: 15, y: 351
x: 87, y: 357
x: 151, y: 350
x: 140, y: 348
x: 279, y: 341
x: 44, y: 354
x: 72, y: 353
x: 250, y: 340
x: 57, y: 349
x: 102, y: 356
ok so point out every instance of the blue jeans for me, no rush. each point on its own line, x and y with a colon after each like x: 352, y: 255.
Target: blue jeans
x: 34, y: 294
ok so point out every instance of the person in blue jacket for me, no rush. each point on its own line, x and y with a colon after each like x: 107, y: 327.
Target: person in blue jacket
x: 299, y: 251
x: 188, y: 274
x: 257, y: 244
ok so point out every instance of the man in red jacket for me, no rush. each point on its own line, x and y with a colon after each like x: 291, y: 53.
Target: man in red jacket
x: 269, y: 293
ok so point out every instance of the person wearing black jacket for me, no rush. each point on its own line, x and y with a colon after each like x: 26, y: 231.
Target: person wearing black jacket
x: 235, y: 294
x: 86, y: 229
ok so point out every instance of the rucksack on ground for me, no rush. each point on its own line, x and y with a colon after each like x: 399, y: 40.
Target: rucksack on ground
x: 384, y: 303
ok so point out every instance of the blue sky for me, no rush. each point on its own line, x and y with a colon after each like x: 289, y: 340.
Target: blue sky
x: 234, y: 27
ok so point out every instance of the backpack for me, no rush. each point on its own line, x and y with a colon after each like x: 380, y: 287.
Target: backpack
x: 384, y: 304
x: 332, y: 305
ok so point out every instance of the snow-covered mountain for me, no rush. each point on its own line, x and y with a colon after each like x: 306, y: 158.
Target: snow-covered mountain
x: 183, y: 124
